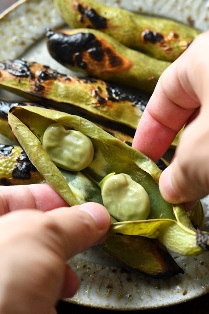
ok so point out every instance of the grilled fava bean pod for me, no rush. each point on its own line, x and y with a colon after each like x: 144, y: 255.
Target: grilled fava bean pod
x: 167, y: 223
x: 97, y: 54
x: 16, y: 168
x: 158, y: 37
x: 96, y: 99
x: 92, y: 96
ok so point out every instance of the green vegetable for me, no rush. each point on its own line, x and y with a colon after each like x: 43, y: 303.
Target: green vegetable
x: 90, y: 96
x: 124, y: 198
x: 97, y: 54
x: 83, y: 186
x: 158, y: 37
x: 93, y: 98
x: 110, y: 154
x: 167, y: 223
x: 140, y: 253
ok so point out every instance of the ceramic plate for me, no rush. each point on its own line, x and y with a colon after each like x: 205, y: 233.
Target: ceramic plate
x: 105, y: 283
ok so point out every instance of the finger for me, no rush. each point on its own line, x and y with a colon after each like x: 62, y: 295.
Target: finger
x: 53, y: 236
x: 179, y: 188
x: 165, y: 114
x: 178, y: 94
x: 41, y: 197
x: 86, y: 224
x: 187, y: 178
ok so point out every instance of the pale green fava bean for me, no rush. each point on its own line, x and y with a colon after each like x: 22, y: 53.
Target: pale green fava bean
x: 68, y: 149
x: 124, y: 198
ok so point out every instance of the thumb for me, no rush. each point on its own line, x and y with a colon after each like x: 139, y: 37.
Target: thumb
x: 167, y: 189
x: 187, y: 177
x: 79, y: 227
x: 176, y: 186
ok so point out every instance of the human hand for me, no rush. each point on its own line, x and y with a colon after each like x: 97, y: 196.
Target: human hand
x: 180, y: 97
x: 37, y: 241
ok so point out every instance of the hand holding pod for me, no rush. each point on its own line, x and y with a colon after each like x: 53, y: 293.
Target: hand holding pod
x: 79, y: 187
x: 167, y: 223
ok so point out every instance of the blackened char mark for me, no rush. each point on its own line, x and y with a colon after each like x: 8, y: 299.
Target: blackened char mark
x: 96, y: 52
x: 47, y: 74
x: 6, y: 150
x: 18, y: 68
x: 96, y: 21
x: 38, y: 87
x: 79, y: 60
x: 114, y: 61
x: 68, y: 49
x: 101, y: 100
x: 152, y: 37
x: 23, y: 168
x: 6, y: 106
x: 117, y: 94
x: 85, y: 51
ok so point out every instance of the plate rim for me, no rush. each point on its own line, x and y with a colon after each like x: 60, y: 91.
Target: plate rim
x: 3, y: 15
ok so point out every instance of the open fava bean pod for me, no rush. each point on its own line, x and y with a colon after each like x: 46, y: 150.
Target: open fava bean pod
x: 37, y: 130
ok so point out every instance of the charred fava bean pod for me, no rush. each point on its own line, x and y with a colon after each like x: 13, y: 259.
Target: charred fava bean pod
x: 124, y: 198
x: 168, y: 223
x: 91, y: 96
x: 140, y: 253
x: 97, y: 54
x: 16, y: 168
x: 158, y: 37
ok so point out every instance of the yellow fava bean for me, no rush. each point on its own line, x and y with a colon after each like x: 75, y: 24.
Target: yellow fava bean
x: 124, y: 198
x: 68, y: 149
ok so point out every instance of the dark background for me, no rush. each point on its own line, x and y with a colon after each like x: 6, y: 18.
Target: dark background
x: 199, y: 305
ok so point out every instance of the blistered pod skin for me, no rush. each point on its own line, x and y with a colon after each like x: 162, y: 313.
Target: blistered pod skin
x: 161, y: 38
x: 124, y: 198
x: 69, y: 149
x: 97, y: 54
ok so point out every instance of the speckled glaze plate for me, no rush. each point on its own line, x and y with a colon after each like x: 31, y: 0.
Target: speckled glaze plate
x: 105, y: 283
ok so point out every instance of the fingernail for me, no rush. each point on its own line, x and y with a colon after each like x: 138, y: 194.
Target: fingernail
x: 166, y: 187
x: 99, y: 213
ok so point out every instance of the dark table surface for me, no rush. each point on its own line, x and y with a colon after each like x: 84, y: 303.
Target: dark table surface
x: 199, y: 305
